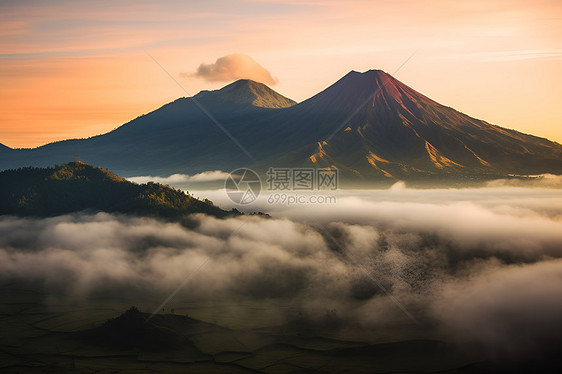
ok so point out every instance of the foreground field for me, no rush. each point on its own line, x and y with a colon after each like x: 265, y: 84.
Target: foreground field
x: 98, y: 336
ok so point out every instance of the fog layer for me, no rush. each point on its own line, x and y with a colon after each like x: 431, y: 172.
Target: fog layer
x: 484, y: 267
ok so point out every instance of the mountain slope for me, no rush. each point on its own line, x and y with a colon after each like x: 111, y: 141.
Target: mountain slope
x: 77, y: 186
x: 394, y: 131
x: 4, y: 149
x: 178, y: 137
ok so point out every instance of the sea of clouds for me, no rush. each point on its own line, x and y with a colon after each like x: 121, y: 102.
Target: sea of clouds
x: 483, y: 266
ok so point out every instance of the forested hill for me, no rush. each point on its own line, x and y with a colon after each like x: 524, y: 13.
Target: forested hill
x: 77, y: 187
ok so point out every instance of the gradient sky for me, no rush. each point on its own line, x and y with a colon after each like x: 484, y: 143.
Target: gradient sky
x: 76, y: 69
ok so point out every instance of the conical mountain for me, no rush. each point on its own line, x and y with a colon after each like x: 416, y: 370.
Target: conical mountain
x: 373, y: 125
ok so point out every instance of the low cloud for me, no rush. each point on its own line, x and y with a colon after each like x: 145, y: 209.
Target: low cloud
x: 540, y: 181
x: 510, y: 222
x: 233, y: 67
x: 207, y: 176
x: 483, y: 266
x: 510, y: 310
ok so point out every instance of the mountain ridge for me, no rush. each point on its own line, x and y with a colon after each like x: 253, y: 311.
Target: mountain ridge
x: 5, y: 148
x: 369, y: 125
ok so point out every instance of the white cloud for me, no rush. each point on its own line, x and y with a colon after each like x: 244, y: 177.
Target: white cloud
x: 524, y: 222
x: 207, y: 176
x: 233, y: 67
x: 541, y: 181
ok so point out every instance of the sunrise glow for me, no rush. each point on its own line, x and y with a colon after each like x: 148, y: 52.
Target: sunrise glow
x: 77, y: 69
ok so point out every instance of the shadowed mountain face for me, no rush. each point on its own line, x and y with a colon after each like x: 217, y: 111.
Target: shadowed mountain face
x: 369, y: 125
x: 178, y: 137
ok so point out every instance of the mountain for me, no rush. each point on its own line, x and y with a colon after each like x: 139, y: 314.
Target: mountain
x: 178, y: 137
x: 369, y: 125
x: 77, y: 187
x: 382, y: 128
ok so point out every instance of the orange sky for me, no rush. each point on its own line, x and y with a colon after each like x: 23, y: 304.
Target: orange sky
x: 77, y: 69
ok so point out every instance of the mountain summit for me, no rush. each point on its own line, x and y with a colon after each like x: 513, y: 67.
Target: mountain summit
x: 246, y: 91
x: 355, y: 89
x: 369, y: 125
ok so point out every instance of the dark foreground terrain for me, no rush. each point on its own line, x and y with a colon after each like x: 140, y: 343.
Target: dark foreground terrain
x: 97, y: 335
x: 76, y: 186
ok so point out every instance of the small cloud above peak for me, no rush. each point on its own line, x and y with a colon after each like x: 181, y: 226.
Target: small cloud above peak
x: 233, y: 67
